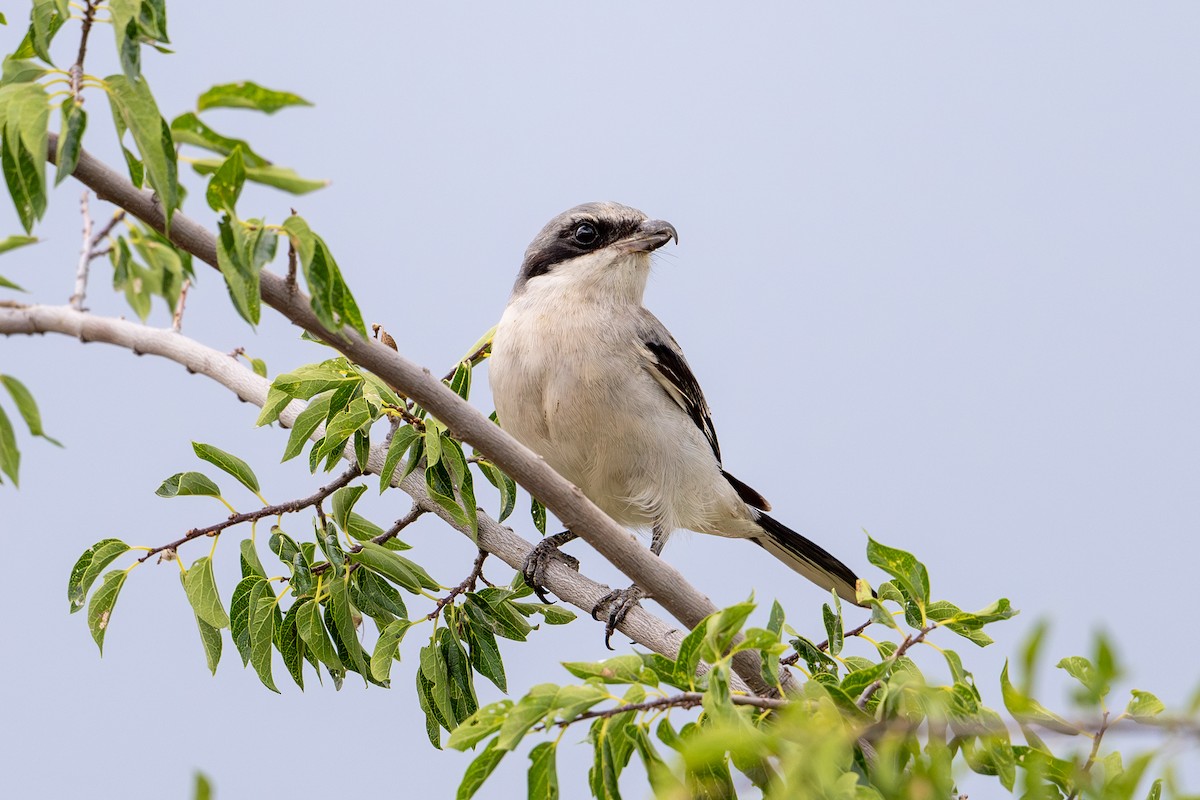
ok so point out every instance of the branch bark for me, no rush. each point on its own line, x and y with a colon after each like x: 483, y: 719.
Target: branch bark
x: 661, y: 580
x: 573, y: 587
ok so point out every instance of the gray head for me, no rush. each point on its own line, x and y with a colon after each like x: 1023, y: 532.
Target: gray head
x: 590, y: 229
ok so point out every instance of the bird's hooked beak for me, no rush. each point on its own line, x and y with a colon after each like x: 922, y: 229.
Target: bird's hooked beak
x: 651, y: 235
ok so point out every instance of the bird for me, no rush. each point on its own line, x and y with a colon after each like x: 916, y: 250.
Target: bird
x: 586, y: 377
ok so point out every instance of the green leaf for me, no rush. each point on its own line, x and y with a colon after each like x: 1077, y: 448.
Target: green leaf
x: 307, y: 422
x: 911, y: 574
x: 620, y: 669
x: 833, y: 625
x: 1026, y: 709
x: 100, y: 609
x: 402, y: 440
x: 343, y: 620
x: 10, y: 456
x: 27, y: 406
x: 485, y: 654
x: 504, y: 484
x: 70, y: 139
x: 228, y: 463
x: 210, y: 637
x: 538, y: 512
x: 396, y: 568
x: 88, y: 567
x: 18, y: 70
x: 543, y: 772
x: 239, y: 614
x: 189, y: 129
x: 241, y: 278
x: 1144, y: 706
x: 46, y: 19
x: 312, y: 630
x: 128, y: 35
x: 530, y: 710
x: 246, y: 94
x: 291, y: 647
x: 13, y: 242
x: 264, y: 613
x: 282, y: 178
x: 479, y: 770
x: 188, y: 483
x: 201, y: 586
x: 331, y: 299
x: 226, y: 184
x: 134, y: 106
x: 249, y: 560
x: 25, y: 110
x: 720, y: 628
x: 343, y: 501
x: 436, y: 685
x: 387, y: 647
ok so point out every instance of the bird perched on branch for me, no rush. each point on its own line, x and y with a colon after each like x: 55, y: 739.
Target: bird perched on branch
x: 586, y: 377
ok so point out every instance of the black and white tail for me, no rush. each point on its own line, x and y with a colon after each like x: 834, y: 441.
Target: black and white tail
x: 806, y: 557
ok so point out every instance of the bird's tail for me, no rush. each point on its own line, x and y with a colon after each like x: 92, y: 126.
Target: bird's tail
x: 806, y: 557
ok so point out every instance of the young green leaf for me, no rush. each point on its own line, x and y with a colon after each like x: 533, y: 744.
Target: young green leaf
x: 343, y: 620
x: 88, y: 567
x: 538, y: 512
x: 225, y: 187
x: 210, y: 637
x: 479, y: 770
x: 10, y: 456
x: 249, y: 560
x: 188, y: 483
x: 70, y: 139
x: 26, y: 113
x: 101, y: 607
x: 387, y: 647
x: 239, y: 614
x: 1144, y: 706
x: 246, y: 94
x: 134, y: 106
x: 910, y: 573
x: 395, y: 568
x: 264, y: 613
x: 281, y: 178
x: 189, y: 129
x: 228, y: 463
x: 201, y: 586
x: 543, y: 772
x: 13, y: 242
x: 305, y: 425
x: 312, y: 630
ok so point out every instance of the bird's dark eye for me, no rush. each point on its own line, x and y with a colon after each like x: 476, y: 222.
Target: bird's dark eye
x: 586, y: 234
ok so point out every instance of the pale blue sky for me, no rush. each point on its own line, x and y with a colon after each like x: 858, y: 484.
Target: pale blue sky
x: 937, y: 274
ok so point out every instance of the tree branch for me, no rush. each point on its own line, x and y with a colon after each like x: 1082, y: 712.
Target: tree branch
x: 573, y: 587
x: 578, y: 514
x: 289, y: 507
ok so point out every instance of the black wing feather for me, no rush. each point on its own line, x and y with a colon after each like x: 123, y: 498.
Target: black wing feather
x: 670, y: 363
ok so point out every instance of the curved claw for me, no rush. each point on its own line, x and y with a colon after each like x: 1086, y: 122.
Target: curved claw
x: 618, y: 602
x: 539, y: 558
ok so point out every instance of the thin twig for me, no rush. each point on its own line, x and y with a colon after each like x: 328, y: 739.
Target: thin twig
x: 1091, y: 759
x: 787, y: 661
x: 291, y: 270
x: 467, y: 585
x: 471, y: 359
x: 177, y: 319
x: 105, y: 231
x: 684, y: 700
x: 76, y: 71
x: 399, y: 525
x: 266, y: 511
x: 908, y: 642
x: 85, y: 254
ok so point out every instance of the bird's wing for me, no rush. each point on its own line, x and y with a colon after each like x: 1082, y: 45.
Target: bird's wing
x: 666, y: 364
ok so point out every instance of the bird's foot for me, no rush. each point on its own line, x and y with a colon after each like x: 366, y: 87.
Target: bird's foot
x: 539, y: 558
x: 617, y: 603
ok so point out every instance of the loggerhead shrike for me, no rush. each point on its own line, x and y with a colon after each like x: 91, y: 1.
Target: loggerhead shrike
x: 586, y: 377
